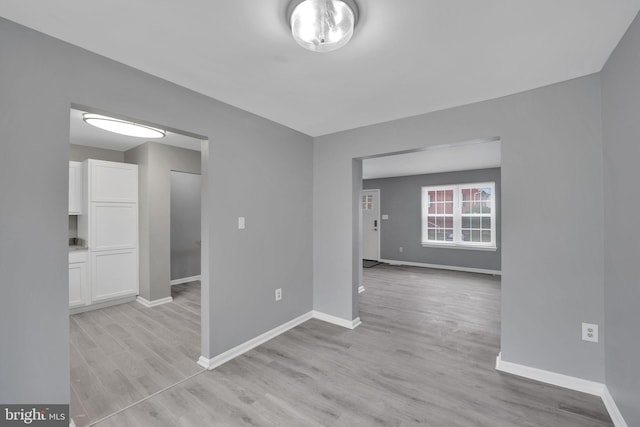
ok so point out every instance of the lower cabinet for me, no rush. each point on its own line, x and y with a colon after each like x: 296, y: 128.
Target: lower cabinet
x: 114, y: 274
x: 99, y: 277
x: 78, y: 279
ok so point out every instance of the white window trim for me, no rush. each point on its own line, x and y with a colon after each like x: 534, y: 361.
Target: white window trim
x: 457, y: 242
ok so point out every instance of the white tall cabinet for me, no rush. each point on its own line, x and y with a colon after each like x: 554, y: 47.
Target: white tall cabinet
x: 110, y: 227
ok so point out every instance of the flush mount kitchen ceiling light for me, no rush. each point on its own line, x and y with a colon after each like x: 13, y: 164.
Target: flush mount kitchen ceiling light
x: 122, y: 127
x: 322, y: 25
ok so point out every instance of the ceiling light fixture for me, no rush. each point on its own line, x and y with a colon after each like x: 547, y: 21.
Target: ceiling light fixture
x: 122, y: 127
x: 322, y: 25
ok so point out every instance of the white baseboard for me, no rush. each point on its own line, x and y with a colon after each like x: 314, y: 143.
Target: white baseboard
x: 565, y: 381
x: 612, y: 408
x: 185, y: 280
x: 252, y: 343
x: 361, y: 289
x: 548, y: 377
x: 153, y: 303
x: 349, y: 324
x: 204, y: 362
x: 443, y: 267
x: 228, y: 355
x: 103, y: 304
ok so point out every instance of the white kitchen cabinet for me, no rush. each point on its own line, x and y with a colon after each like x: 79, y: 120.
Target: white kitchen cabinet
x: 110, y: 229
x: 78, y: 279
x: 114, y: 274
x: 113, y: 182
x: 76, y: 199
x: 113, y: 226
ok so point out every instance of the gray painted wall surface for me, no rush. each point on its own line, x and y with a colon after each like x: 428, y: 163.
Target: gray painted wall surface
x: 552, y: 264
x: 250, y: 163
x: 154, y: 178
x: 621, y: 131
x: 140, y: 156
x: 185, y: 224
x: 400, y: 198
x: 80, y: 153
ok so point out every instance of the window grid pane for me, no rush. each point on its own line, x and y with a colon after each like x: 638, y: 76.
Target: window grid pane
x: 464, y: 211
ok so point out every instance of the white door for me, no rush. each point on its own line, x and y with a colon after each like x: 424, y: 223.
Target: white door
x: 371, y: 224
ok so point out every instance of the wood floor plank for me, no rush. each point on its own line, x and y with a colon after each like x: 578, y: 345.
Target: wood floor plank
x: 423, y: 356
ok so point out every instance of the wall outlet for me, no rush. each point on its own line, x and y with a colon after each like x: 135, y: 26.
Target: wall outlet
x: 278, y: 294
x: 401, y: 249
x: 385, y: 216
x: 241, y: 223
x: 590, y: 332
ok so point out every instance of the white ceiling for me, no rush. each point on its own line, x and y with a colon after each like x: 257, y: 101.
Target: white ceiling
x: 407, y: 57
x: 459, y: 157
x: 81, y: 133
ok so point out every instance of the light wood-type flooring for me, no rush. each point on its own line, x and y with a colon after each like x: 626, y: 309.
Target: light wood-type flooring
x: 124, y: 353
x: 423, y: 356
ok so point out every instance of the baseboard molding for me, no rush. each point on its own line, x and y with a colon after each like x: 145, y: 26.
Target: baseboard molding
x: 103, y: 304
x: 349, y: 324
x: 612, y: 408
x: 443, y: 267
x: 239, y: 350
x: 204, y: 362
x: 252, y: 343
x: 185, y: 280
x: 361, y: 289
x: 153, y: 303
x: 565, y: 381
x: 548, y: 377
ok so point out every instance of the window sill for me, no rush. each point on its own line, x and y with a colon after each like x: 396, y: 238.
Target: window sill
x: 458, y: 246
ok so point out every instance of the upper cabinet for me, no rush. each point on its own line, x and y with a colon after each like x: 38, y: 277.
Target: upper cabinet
x: 75, y: 188
x: 113, y: 182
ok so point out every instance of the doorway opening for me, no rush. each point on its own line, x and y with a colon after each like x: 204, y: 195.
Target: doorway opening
x: 132, y: 334
x: 412, y: 226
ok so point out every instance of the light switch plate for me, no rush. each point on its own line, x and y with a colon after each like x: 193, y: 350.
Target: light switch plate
x: 385, y: 216
x: 241, y: 223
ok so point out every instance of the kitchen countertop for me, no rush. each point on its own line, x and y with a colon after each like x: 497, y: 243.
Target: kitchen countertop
x: 78, y: 248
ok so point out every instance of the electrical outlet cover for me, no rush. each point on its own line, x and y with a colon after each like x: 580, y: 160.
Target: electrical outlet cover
x: 590, y: 332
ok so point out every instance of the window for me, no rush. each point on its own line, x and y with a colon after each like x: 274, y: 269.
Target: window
x: 367, y: 202
x: 459, y: 216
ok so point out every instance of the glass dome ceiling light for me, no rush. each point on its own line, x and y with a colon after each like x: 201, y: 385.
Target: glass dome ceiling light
x: 322, y: 25
x: 122, y: 127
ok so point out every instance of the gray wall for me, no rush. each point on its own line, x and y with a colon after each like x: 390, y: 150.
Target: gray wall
x: 552, y: 263
x: 250, y: 162
x: 156, y: 161
x: 80, y: 153
x: 185, y: 224
x: 400, y: 198
x: 621, y: 131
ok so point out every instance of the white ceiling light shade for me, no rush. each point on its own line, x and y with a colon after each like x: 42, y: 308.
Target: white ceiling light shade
x: 122, y: 127
x: 322, y: 25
